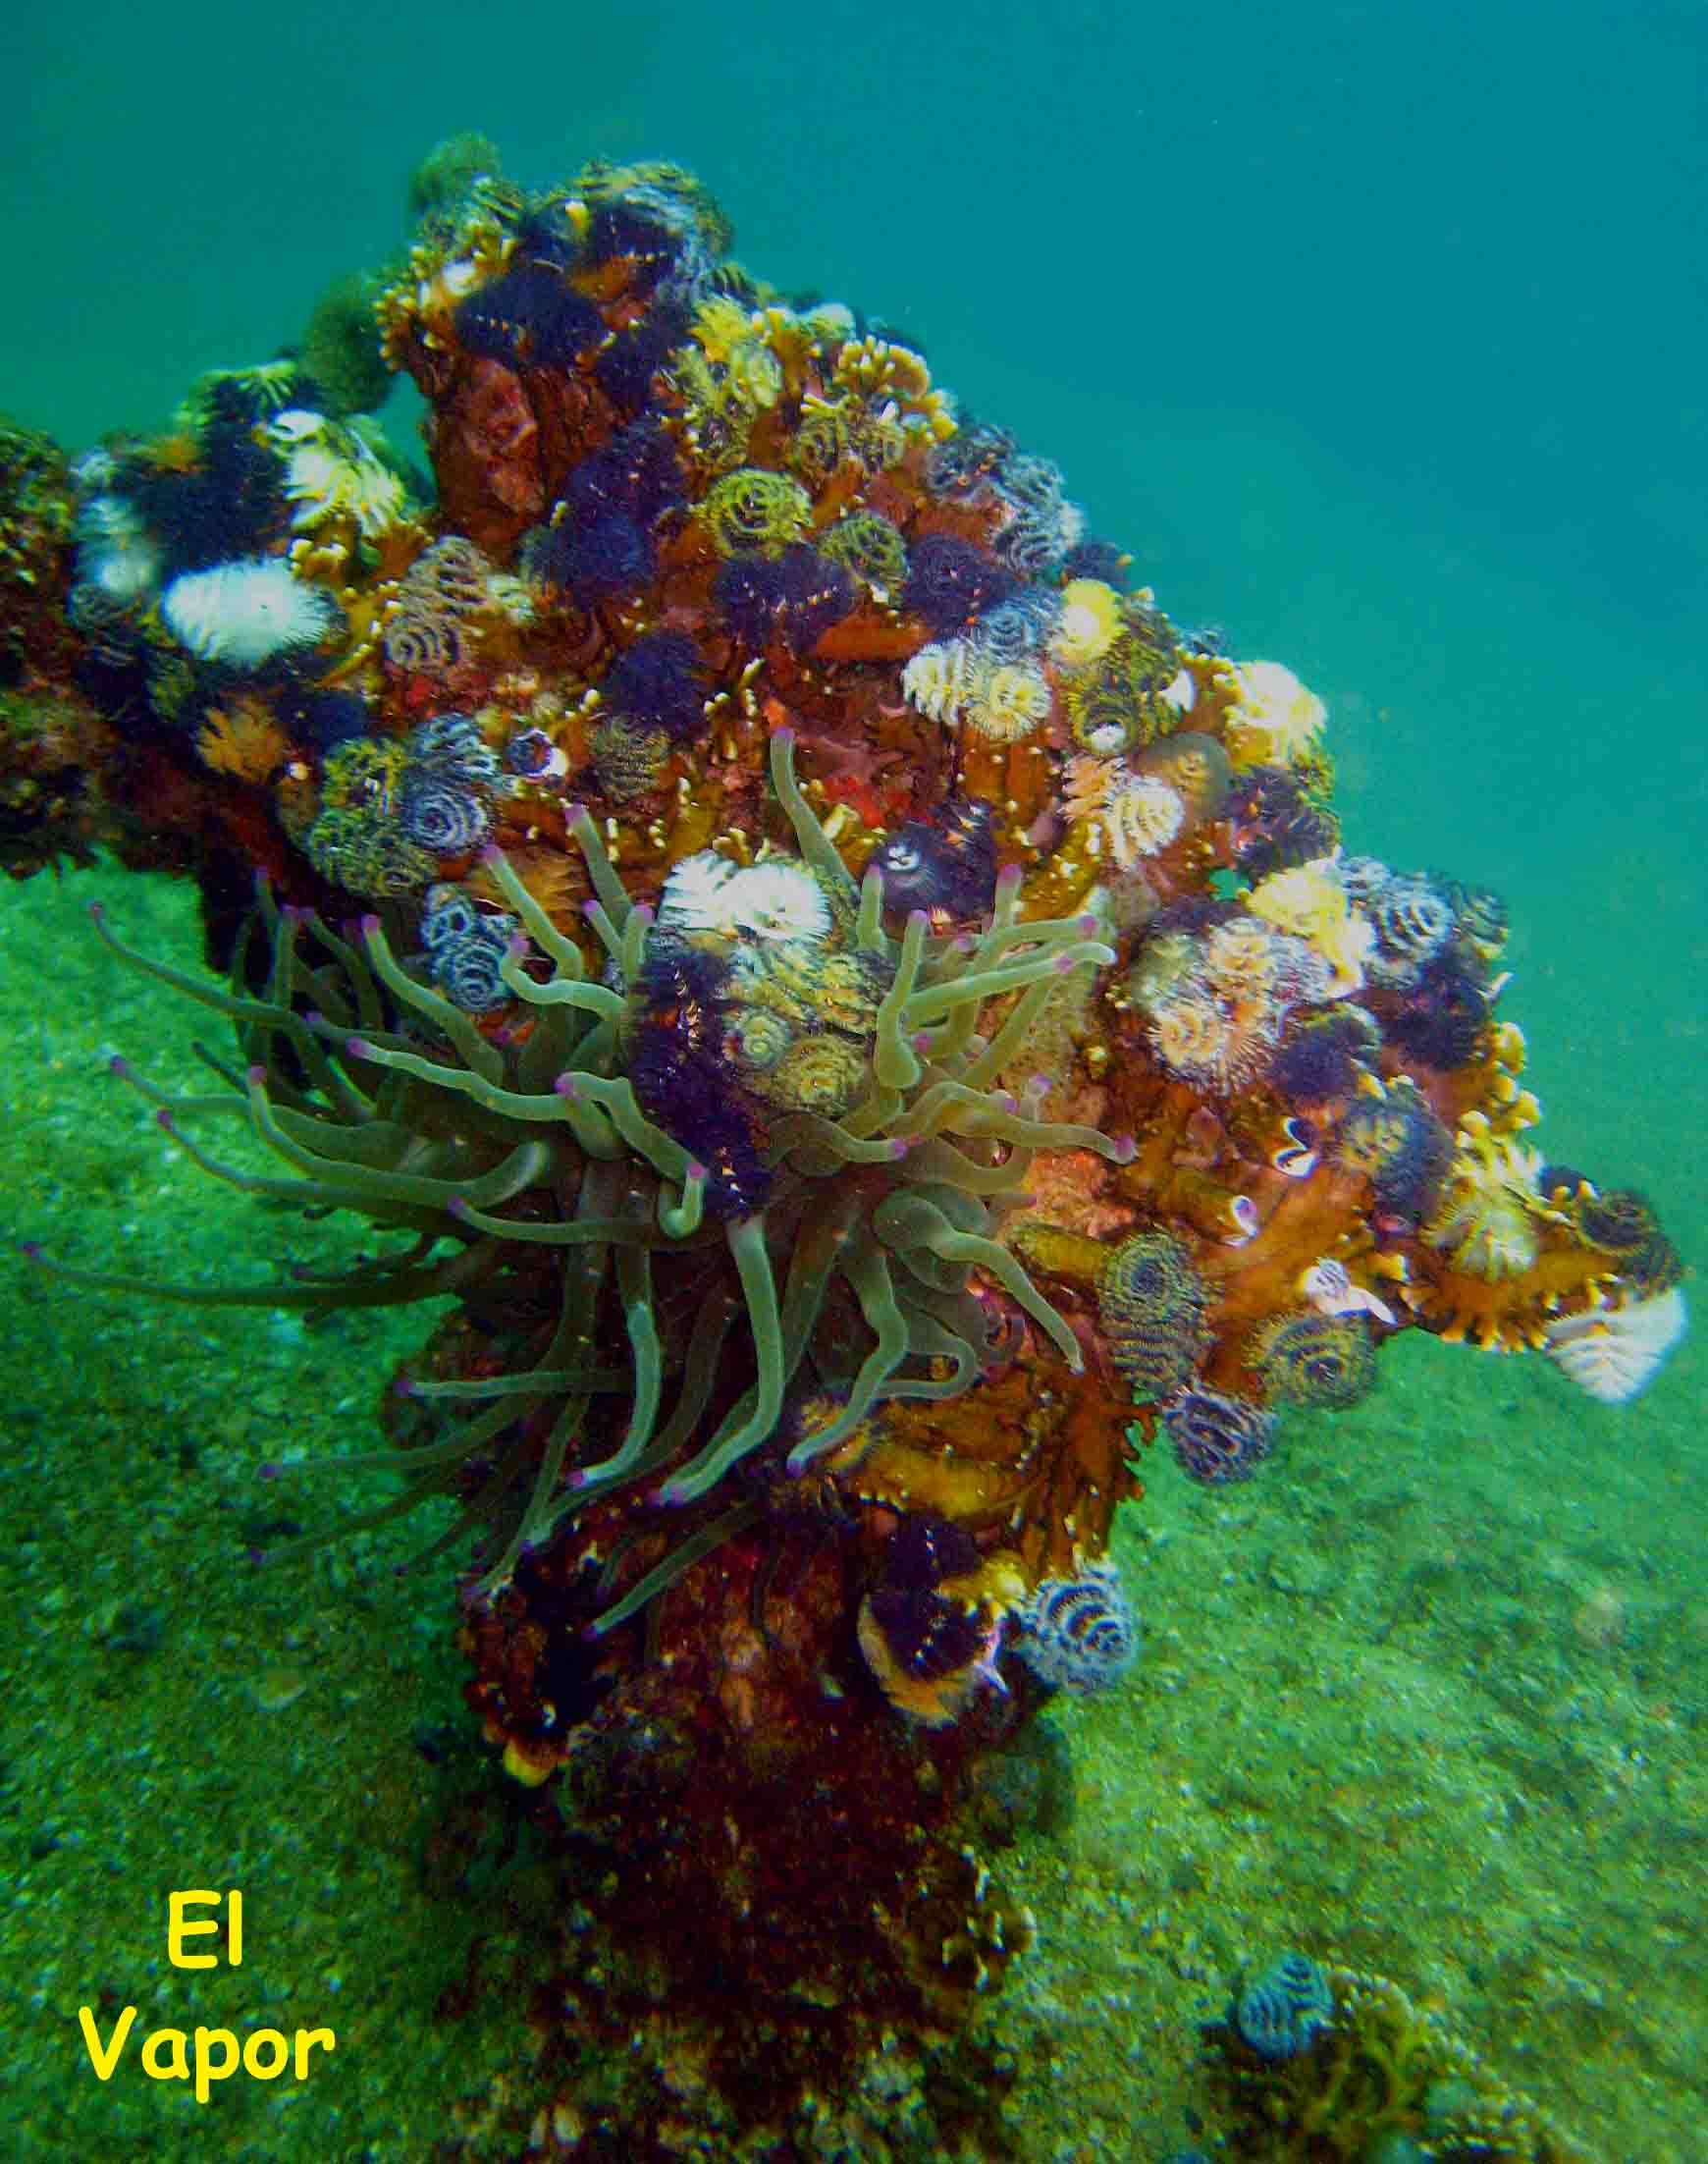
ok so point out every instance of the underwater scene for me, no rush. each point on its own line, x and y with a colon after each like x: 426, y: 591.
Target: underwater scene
x: 852, y: 971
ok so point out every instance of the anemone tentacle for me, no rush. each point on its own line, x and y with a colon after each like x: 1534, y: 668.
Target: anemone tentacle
x: 385, y: 1098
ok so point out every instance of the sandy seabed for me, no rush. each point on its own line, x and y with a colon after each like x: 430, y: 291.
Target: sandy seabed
x: 1424, y: 1698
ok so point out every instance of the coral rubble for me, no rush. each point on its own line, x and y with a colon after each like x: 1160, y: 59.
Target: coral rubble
x: 1333, y: 2066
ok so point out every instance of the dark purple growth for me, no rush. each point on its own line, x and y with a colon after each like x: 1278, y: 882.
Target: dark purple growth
x: 946, y: 866
x: 625, y: 365
x: 594, y: 558
x: 924, y: 1551
x: 1319, y: 1062
x: 794, y: 598
x: 1093, y: 559
x: 682, y: 1079
x: 326, y: 719
x: 1440, y: 1021
x: 232, y: 505
x: 657, y: 681
x: 929, y: 1638
x: 529, y: 319
x: 1276, y: 826
x: 620, y: 229
x: 637, y: 473
x: 952, y: 584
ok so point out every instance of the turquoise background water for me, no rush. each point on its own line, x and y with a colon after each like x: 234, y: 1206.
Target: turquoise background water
x: 1379, y: 333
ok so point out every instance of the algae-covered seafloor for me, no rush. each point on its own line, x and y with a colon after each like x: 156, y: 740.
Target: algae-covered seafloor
x: 1422, y: 1699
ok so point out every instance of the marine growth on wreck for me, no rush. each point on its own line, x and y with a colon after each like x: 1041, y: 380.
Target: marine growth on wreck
x: 874, y: 1025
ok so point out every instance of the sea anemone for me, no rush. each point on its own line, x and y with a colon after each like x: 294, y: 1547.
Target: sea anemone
x: 606, y: 1145
x: 1616, y: 1351
x: 246, y: 615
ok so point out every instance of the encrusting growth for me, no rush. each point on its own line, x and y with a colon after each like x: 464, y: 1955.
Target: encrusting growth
x: 865, y: 1020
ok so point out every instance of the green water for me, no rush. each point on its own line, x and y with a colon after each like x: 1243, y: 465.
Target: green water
x: 1378, y: 335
